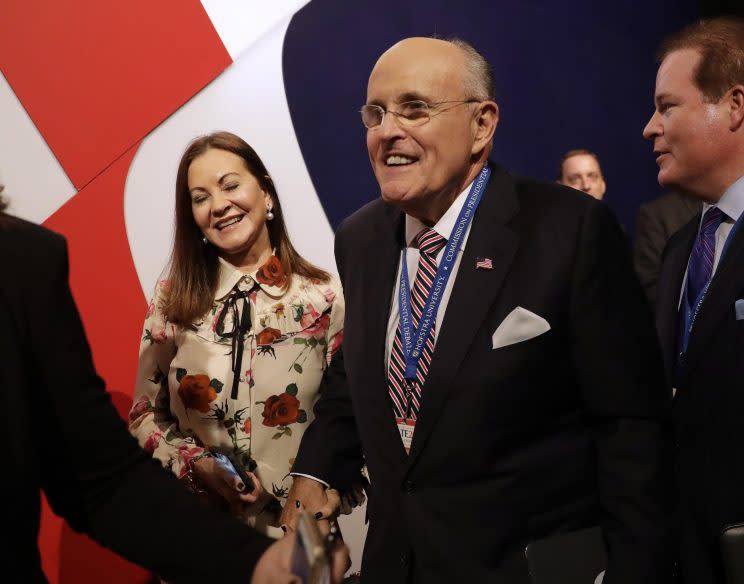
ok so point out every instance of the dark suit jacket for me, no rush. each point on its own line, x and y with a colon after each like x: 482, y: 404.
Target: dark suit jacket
x: 656, y: 222
x: 61, y: 434
x: 544, y: 436
x: 708, y: 410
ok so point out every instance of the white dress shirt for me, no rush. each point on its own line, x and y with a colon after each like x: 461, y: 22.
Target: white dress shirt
x: 444, y: 228
x: 732, y: 204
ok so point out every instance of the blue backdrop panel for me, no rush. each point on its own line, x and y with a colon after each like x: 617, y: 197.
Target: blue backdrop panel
x: 568, y: 75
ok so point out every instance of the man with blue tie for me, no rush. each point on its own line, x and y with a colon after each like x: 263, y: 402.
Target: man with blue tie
x: 697, y: 131
x: 499, y: 373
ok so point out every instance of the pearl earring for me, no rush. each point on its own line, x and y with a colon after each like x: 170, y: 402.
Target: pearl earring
x: 205, y: 241
x: 269, y: 214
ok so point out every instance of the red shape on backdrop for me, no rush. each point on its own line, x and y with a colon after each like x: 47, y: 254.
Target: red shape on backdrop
x: 112, y: 305
x: 97, y: 77
x: 71, y: 558
x: 103, y: 278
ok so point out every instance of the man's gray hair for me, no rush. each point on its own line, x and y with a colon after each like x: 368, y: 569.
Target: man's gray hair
x: 479, y: 82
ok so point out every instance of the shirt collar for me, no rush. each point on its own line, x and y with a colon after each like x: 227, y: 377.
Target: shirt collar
x: 270, y: 277
x: 731, y: 202
x: 446, y: 222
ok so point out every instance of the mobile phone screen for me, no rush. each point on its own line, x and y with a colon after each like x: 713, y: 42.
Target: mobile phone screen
x: 309, y: 559
x: 301, y: 560
x: 238, y: 468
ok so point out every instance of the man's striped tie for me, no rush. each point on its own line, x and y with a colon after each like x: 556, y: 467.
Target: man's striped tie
x: 703, y: 252
x: 429, y: 242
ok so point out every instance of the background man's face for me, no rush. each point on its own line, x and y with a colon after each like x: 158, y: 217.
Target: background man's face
x: 415, y: 165
x: 686, y: 131
x: 582, y: 172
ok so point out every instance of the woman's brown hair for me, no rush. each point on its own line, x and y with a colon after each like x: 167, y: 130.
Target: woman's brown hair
x: 193, y: 273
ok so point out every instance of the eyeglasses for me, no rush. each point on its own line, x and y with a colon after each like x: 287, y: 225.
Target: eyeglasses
x: 409, y: 113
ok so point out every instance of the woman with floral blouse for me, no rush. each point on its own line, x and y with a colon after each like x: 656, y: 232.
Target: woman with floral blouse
x: 236, y: 338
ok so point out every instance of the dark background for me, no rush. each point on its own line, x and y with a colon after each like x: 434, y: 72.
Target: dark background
x: 577, y: 74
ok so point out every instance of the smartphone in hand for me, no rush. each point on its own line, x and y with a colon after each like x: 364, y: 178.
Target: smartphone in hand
x: 310, y: 559
x: 239, y: 469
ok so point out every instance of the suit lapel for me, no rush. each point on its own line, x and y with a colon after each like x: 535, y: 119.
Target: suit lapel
x: 473, y: 293
x: 380, y: 266
x: 726, y: 284
x: 670, y: 285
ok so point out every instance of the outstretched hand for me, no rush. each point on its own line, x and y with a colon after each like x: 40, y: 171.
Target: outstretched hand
x: 275, y: 565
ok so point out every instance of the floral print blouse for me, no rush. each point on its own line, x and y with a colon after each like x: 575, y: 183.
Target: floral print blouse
x: 185, y: 397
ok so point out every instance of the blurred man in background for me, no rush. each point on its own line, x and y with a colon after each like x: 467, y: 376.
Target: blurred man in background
x: 656, y: 222
x: 580, y: 170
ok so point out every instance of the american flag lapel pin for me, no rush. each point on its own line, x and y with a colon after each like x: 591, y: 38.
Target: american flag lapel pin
x: 483, y: 264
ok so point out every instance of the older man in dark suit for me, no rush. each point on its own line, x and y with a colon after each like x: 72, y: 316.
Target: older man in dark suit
x: 60, y: 434
x: 516, y: 392
x: 698, y: 136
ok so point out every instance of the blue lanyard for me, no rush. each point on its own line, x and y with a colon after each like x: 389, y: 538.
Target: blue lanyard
x: 413, y: 341
x: 689, y: 313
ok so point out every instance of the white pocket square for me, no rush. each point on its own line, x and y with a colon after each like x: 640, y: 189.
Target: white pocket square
x: 518, y: 326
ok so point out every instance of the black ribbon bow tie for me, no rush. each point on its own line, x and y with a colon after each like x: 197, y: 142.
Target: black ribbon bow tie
x: 241, y: 318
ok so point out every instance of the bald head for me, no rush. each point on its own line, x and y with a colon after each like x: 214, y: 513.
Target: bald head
x: 418, y: 59
x: 423, y: 164
x: 477, y: 77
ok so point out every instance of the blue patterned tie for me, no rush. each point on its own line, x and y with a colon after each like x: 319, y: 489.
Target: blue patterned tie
x: 702, y: 255
x: 699, y: 272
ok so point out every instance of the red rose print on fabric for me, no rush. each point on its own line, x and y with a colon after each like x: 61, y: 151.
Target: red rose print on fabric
x: 140, y: 407
x: 329, y: 295
x: 152, y: 442
x: 309, y: 315
x: 196, y: 392
x: 272, y: 273
x: 316, y: 329
x: 336, y: 344
x: 281, y: 410
x: 268, y: 336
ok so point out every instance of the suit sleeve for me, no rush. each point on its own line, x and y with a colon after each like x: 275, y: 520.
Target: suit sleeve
x: 618, y: 361
x: 647, y: 251
x: 330, y: 449
x: 97, y: 477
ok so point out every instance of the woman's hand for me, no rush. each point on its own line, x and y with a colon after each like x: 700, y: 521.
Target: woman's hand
x: 310, y: 495
x: 217, y: 474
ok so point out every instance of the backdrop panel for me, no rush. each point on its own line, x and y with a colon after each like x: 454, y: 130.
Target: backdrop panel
x: 96, y: 77
x: 568, y: 75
